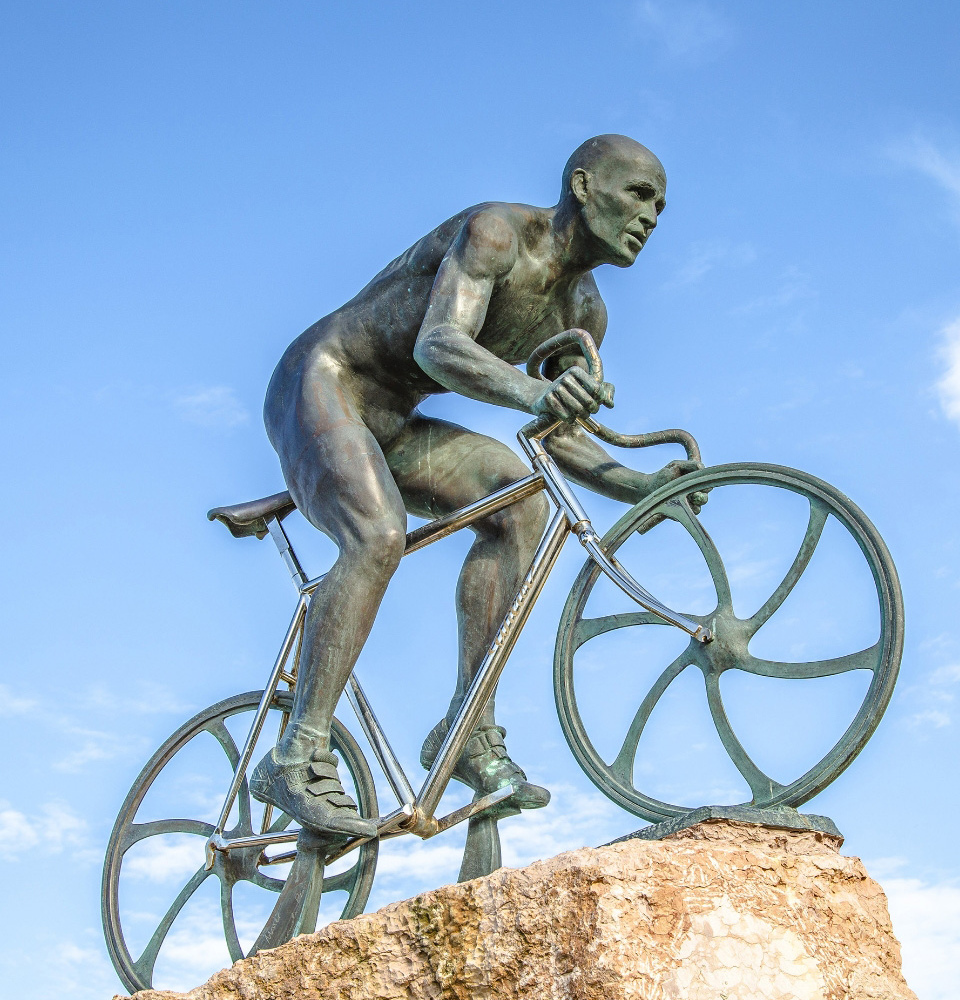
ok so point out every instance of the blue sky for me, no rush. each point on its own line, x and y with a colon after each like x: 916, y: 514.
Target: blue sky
x: 187, y: 187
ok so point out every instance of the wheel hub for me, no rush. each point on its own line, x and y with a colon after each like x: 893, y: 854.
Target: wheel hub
x: 727, y: 650
x: 238, y: 864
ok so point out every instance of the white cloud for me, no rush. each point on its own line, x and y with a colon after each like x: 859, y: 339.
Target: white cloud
x: 946, y: 675
x: 705, y: 255
x: 212, y: 406
x: 426, y: 861
x: 793, y: 288
x: 948, y: 385
x: 192, y: 953
x: 686, y: 31
x: 17, y: 833
x: 87, y: 746
x: 880, y: 868
x: 925, y: 156
x: 61, y: 967
x: 926, y: 919
x: 932, y: 717
x: 56, y: 826
x: 574, y: 819
x: 935, y: 698
x: 14, y: 704
x: 148, y: 698
x: 164, y: 858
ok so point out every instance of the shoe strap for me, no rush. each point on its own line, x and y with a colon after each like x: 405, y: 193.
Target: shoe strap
x: 488, y: 739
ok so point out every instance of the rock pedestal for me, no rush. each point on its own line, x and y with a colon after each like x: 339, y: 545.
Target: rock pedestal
x: 720, y: 911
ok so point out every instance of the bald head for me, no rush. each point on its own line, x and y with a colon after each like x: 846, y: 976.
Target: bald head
x: 613, y: 191
x: 603, y: 149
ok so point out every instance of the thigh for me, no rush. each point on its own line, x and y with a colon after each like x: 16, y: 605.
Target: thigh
x: 440, y: 466
x: 332, y: 464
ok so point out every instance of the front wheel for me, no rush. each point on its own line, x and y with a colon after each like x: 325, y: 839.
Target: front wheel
x: 614, y: 775
x: 154, y: 849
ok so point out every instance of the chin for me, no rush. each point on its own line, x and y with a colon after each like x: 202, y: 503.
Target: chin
x: 626, y: 258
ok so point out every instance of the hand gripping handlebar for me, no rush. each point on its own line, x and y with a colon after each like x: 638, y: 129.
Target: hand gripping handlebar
x: 583, y: 340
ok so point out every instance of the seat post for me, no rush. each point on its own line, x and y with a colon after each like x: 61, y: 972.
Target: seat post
x: 285, y: 549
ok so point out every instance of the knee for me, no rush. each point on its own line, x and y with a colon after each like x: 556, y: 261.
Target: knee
x: 374, y: 548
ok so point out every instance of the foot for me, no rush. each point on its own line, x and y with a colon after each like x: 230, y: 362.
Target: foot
x: 485, y: 765
x: 311, y: 793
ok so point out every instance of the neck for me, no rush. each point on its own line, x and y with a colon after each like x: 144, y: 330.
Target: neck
x: 573, y: 244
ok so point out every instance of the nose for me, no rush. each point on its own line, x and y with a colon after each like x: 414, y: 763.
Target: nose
x: 646, y: 217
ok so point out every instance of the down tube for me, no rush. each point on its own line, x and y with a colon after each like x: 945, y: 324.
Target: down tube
x: 492, y: 666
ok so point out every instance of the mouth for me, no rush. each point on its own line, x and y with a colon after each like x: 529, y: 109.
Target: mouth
x: 638, y: 237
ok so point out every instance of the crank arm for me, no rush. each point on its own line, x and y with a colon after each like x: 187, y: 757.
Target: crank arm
x: 472, y: 808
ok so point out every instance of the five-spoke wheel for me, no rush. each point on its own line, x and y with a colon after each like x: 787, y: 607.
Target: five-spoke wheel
x: 147, y: 846
x: 730, y: 649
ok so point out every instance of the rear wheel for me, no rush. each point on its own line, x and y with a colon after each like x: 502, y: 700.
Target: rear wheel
x: 151, y: 840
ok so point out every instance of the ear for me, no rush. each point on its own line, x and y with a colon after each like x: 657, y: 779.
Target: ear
x: 580, y: 184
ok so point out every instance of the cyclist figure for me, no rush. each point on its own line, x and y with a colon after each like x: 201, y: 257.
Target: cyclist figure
x: 454, y: 313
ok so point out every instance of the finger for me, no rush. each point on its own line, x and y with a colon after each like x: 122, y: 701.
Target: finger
x: 574, y: 406
x: 699, y: 498
x: 685, y: 466
x: 558, y: 406
x: 580, y: 394
x: 608, y: 391
x: 595, y: 388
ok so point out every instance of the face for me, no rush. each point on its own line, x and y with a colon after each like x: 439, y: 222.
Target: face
x: 621, y: 200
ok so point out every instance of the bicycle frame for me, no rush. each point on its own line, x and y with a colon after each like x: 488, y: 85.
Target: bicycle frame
x: 415, y: 813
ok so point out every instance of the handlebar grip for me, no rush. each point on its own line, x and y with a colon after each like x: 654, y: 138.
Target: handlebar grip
x: 575, y: 337
x: 672, y: 436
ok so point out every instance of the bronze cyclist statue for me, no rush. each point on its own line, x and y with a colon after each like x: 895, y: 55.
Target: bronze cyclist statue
x: 454, y: 313
x: 497, y: 285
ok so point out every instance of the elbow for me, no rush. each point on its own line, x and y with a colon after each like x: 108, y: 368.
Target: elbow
x: 429, y: 352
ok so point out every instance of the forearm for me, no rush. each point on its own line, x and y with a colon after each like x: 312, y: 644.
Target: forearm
x: 583, y: 461
x: 461, y: 365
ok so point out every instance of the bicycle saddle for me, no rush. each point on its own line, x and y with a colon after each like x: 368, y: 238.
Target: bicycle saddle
x: 250, y: 518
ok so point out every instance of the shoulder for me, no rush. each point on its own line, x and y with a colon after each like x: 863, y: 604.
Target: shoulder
x: 489, y: 239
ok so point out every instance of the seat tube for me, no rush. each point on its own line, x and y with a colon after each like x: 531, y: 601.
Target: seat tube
x: 287, y: 554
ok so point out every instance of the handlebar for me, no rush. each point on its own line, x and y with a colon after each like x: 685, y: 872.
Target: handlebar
x: 569, y: 338
x: 544, y: 425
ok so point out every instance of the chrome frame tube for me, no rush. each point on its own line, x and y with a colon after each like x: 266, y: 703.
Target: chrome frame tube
x: 379, y: 743
x: 287, y: 554
x: 646, y: 600
x: 311, y: 585
x: 296, y: 623
x: 471, y: 809
x: 492, y: 665
x: 449, y: 523
x: 564, y: 497
x: 225, y: 844
x: 416, y: 811
x: 387, y: 827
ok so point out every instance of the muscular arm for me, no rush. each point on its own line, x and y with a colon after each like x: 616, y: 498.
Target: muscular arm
x: 583, y: 461
x: 446, y: 350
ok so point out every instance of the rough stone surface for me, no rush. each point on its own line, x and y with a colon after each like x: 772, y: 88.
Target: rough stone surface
x: 721, y: 911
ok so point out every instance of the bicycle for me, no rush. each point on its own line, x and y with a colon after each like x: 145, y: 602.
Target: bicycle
x: 718, y: 642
